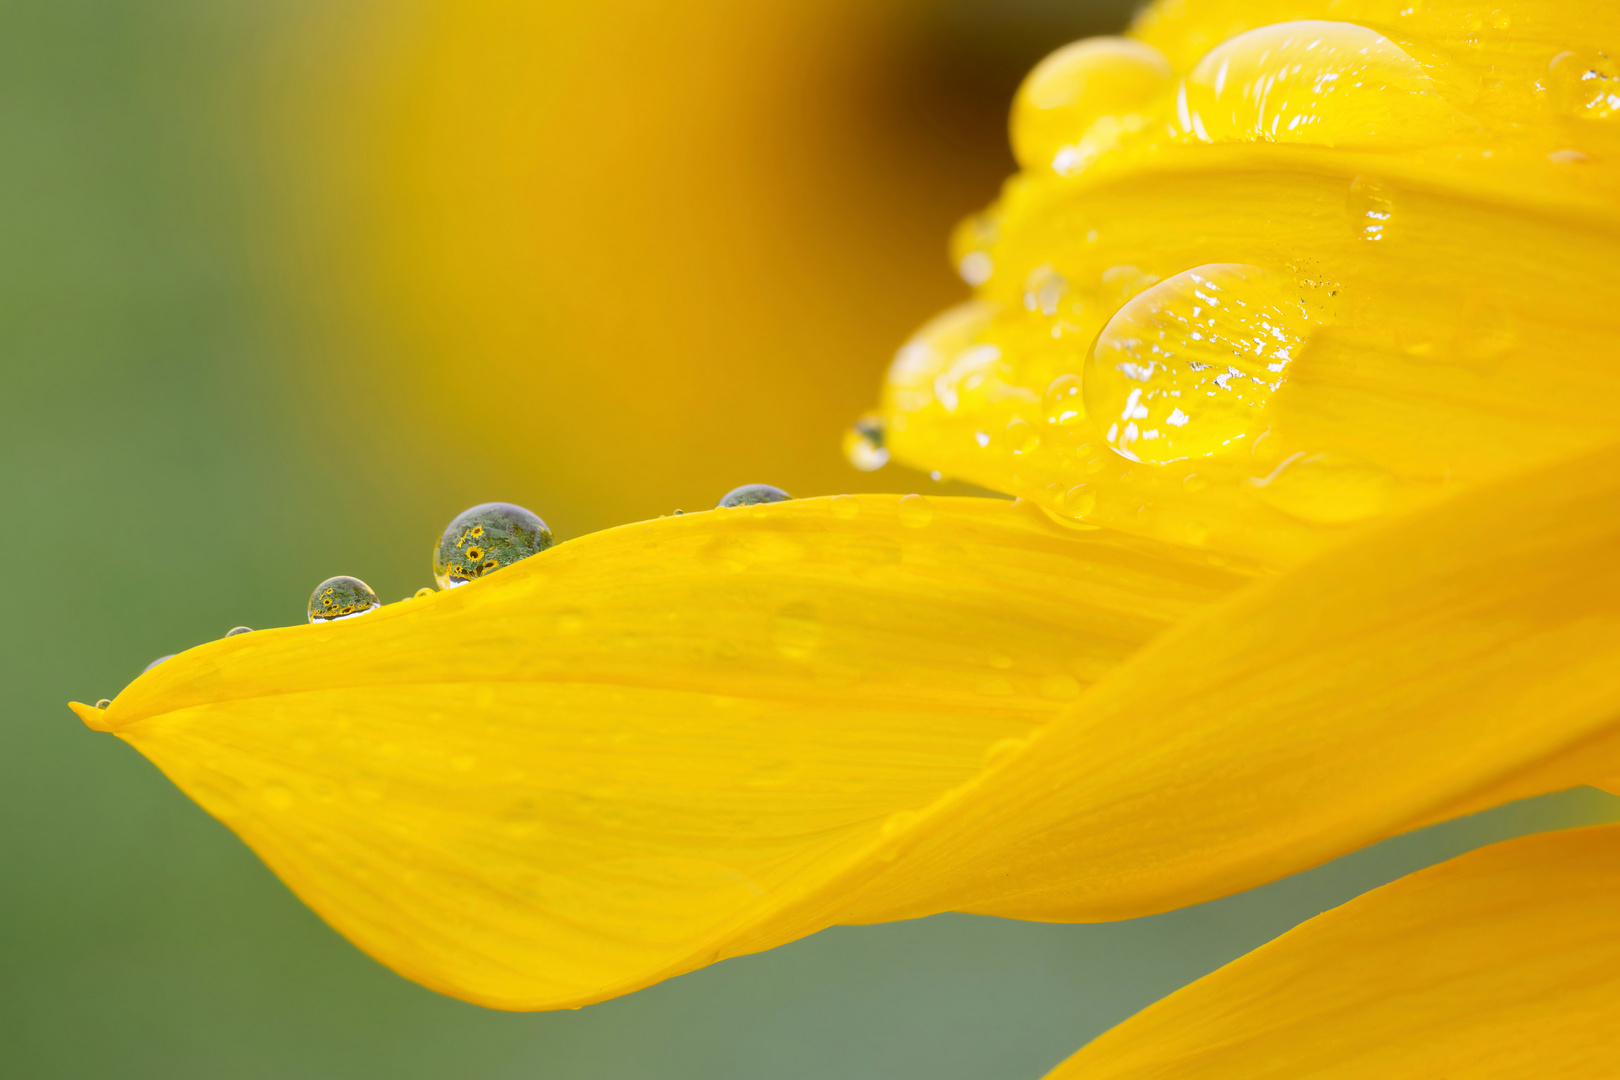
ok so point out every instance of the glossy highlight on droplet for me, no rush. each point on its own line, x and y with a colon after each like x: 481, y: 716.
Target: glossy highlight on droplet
x: 341, y: 597
x: 1370, y: 208
x: 236, y: 630
x: 1075, y: 104
x: 864, y: 444
x: 485, y: 538
x: 753, y: 495
x: 915, y: 511
x: 1187, y: 368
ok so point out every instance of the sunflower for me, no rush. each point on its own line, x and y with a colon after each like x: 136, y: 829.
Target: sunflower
x: 1292, y: 340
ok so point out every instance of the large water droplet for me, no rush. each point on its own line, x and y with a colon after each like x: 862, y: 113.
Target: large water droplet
x: 341, y: 598
x: 1585, y: 84
x: 485, y: 538
x: 753, y: 495
x: 1187, y: 368
x: 1077, y: 101
x: 863, y: 444
x: 1370, y: 208
x: 1313, y: 81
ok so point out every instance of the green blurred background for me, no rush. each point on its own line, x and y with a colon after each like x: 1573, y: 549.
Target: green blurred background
x: 209, y: 405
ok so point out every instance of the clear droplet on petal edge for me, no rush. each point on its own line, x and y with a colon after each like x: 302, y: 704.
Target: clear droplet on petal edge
x: 156, y: 662
x: 864, y: 444
x: 485, y: 538
x: 341, y: 597
x: 426, y: 590
x: 915, y: 511
x: 235, y: 630
x: 753, y: 495
x: 104, y: 703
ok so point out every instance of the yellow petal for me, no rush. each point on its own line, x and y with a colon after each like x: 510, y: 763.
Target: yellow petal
x: 1315, y: 281
x: 615, y: 761
x: 1503, y: 963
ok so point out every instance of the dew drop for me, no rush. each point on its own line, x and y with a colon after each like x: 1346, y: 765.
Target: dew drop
x: 753, y: 495
x: 1187, y: 368
x: 156, y: 662
x: 1193, y: 483
x: 976, y: 268
x: 1063, y: 404
x: 1081, y: 97
x: 845, y: 506
x: 1021, y: 436
x: 235, y: 630
x: 426, y: 590
x: 485, y: 538
x: 104, y: 703
x: 1370, y: 208
x: 1585, y: 85
x: 915, y: 511
x: 864, y: 444
x: 341, y: 598
x: 1078, y: 501
x: 1044, y: 290
x: 1327, y: 490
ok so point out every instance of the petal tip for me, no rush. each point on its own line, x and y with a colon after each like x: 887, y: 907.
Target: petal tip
x: 95, y: 719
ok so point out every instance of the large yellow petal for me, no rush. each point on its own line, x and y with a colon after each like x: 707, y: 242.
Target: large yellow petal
x: 1410, y: 282
x: 1501, y: 964
x: 608, y: 763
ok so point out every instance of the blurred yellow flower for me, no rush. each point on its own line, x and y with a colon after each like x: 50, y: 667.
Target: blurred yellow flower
x: 1291, y: 336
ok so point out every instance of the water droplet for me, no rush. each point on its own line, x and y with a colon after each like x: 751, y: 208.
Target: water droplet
x: 679, y: 512
x: 1327, y: 490
x: 485, y: 538
x: 1078, y: 501
x: 845, y: 506
x: 1312, y: 81
x: 156, y: 662
x: 1063, y: 404
x: 1187, y: 368
x: 1193, y: 483
x: 341, y: 598
x: 104, y: 703
x: 1585, y: 84
x: 976, y: 268
x: 915, y: 511
x: 753, y: 495
x: 864, y: 444
x: 1081, y: 97
x: 233, y: 631
x: 426, y: 590
x: 1370, y: 208
x: 1044, y: 290
x: 796, y: 630
x: 1021, y: 436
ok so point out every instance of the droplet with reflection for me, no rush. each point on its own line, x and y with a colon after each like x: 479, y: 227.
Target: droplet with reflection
x: 1585, y: 84
x: 753, y: 495
x: 864, y: 444
x: 1370, y: 208
x: 235, y: 630
x: 485, y: 538
x: 341, y: 597
x: 1078, y: 101
x: 915, y: 511
x: 1187, y: 368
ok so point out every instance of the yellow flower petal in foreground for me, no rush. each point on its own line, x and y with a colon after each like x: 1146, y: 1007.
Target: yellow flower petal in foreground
x: 619, y: 759
x: 698, y: 737
x: 1501, y: 964
x: 1346, y: 258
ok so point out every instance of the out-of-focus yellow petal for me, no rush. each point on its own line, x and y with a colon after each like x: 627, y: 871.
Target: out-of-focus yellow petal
x: 1317, y: 278
x: 613, y: 761
x: 1502, y: 964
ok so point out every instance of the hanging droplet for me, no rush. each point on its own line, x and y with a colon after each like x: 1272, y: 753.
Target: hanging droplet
x: 1370, y: 208
x: 341, y: 598
x: 104, y: 703
x: 915, y: 511
x: 1081, y: 97
x: 1187, y: 368
x: 1318, y: 82
x: 485, y: 538
x: 1585, y: 85
x: 864, y: 444
x: 235, y: 630
x: 753, y: 495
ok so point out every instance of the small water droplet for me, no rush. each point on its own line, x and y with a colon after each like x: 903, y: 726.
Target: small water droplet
x: 976, y: 268
x: 1021, y: 436
x: 753, y: 495
x: 233, y: 631
x: 1370, y: 208
x: 156, y: 662
x: 1079, y: 500
x: 1044, y: 290
x: 485, y: 538
x: 104, y: 703
x: 680, y: 513
x: 426, y: 590
x: 864, y: 444
x: 845, y: 506
x: 915, y: 511
x: 1585, y: 84
x: 1187, y: 368
x: 1193, y: 483
x: 341, y: 598
x: 1062, y: 403
x: 796, y: 630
